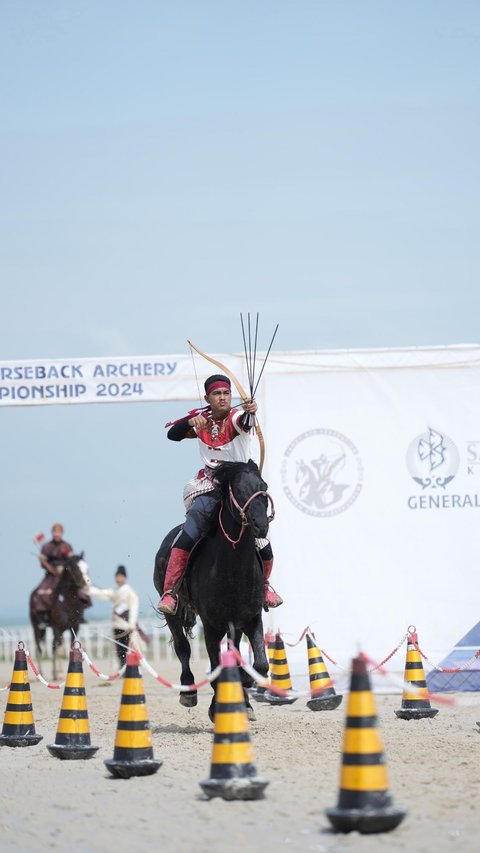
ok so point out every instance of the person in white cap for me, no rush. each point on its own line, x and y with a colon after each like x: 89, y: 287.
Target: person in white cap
x: 124, y: 610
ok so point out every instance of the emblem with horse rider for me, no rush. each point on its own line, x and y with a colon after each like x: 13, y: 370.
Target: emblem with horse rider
x: 218, y: 563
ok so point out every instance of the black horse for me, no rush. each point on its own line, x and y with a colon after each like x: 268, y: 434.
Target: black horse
x: 65, y: 613
x: 224, y: 580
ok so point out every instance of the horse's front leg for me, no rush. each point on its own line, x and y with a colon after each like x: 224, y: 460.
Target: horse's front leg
x: 253, y: 630
x: 213, y: 638
x: 55, y: 644
x: 39, y: 637
x: 183, y: 652
x: 245, y: 678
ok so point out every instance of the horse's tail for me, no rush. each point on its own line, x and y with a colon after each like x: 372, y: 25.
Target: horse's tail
x: 188, y: 618
x: 184, y: 619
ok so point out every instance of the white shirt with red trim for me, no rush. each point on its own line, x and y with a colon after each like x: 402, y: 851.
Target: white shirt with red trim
x: 224, y: 440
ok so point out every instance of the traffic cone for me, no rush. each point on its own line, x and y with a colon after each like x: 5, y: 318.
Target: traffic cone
x: 133, y: 751
x: 270, y: 640
x: 19, y: 727
x: 415, y: 705
x: 233, y: 774
x: 73, y: 735
x: 258, y: 693
x: 323, y: 698
x: 364, y: 803
x: 279, y: 674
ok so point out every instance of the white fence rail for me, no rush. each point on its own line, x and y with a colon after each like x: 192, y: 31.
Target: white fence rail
x: 95, y: 638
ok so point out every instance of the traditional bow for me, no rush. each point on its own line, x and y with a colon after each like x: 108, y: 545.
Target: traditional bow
x: 243, y: 394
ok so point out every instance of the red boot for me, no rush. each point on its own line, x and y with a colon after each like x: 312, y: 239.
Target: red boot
x: 272, y: 598
x: 175, y: 569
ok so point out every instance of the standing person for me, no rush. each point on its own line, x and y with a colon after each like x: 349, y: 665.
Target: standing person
x: 52, y: 558
x: 125, y: 610
x: 224, y: 435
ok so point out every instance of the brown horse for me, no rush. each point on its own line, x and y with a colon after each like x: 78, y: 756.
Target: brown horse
x: 65, y: 613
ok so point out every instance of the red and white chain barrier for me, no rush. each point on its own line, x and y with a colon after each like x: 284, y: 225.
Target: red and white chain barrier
x: 324, y: 654
x: 184, y: 688
x: 413, y: 640
x: 87, y: 660
x: 330, y: 660
x: 407, y: 685
x: 378, y: 666
x: 261, y: 681
x: 39, y: 675
x: 102, y: 675
x: 410, y: 636
x: 305, y: 631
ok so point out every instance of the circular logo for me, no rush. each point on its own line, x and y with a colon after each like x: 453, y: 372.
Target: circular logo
x: 322, y: 472
x: 432, y: 459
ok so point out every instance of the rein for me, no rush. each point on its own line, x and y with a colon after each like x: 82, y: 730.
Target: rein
x: 243, y: 516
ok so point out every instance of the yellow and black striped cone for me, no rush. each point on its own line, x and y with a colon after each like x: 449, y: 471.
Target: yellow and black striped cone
x: 270, y: 648
x: 19, y: 727
x: 324, y: 698
x: 279, y: 674
x: 133, y: 751
x: 259, y: 692
x: 72, y: 740
x: 233, y: 774
x: 364, y: 803
x: 415, y: 703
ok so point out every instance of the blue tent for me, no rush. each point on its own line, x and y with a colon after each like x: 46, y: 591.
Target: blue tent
x: 467, y: 679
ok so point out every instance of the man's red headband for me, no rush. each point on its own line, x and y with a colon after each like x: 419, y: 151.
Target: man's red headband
x: 218, y: 384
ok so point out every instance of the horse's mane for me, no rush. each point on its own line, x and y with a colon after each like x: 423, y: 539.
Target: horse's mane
x: 225, y: 472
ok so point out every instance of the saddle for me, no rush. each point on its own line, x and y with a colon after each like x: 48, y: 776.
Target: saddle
x: 42, y: 596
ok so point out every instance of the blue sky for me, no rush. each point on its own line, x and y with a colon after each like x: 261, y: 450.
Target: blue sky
x: 167, y: 165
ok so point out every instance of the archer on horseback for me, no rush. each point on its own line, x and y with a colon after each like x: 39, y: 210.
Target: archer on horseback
x: 224, y: 435
x: 53, y: 557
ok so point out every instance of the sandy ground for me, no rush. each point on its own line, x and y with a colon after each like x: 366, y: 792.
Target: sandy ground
x: 47, y: 804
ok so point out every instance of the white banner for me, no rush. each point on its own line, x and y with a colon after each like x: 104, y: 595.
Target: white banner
x: 105, y: 380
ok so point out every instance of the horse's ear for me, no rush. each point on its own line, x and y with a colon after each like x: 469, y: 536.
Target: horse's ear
x: 80, y: 556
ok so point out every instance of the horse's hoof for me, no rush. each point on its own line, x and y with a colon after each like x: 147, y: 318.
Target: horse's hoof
x: 211, y: 714
x: 251, y: 714
x: 188, y: 700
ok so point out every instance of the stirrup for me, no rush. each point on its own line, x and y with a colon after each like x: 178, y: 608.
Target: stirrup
x: 277, y: 600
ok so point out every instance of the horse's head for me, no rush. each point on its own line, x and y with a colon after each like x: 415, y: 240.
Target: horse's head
x: 245, y: 493
x: 73, y: 571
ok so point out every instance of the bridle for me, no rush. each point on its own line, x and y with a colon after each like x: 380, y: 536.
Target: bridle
x: 74, y: 571
x: 242, y: 512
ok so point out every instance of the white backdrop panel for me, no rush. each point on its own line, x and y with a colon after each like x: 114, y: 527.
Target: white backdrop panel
x: 363, y: 549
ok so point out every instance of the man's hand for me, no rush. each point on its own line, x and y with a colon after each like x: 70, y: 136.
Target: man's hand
x: 50, y: 569
x: 198, y: 422
x: 250, y: 408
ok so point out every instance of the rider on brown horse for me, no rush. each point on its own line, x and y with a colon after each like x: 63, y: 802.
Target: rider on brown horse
x: 52, y: 558
x: 223, y: 435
